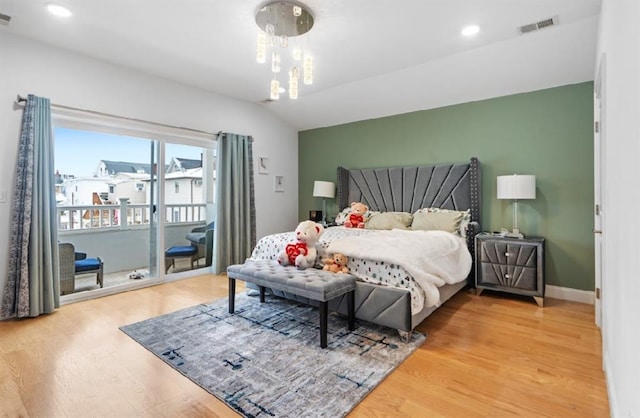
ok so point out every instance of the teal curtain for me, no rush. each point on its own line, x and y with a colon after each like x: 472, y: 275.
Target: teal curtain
x: 33, y: 285
x: 235, y: 232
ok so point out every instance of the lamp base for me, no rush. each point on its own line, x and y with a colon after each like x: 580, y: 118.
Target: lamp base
x: 514, y: 234
x: 324, y: 213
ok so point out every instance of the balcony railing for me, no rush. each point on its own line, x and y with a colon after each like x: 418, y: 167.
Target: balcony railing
x: 73, y: 218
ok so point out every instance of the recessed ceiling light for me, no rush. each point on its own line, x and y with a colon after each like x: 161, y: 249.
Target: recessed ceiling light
x: 471, y: 30
x: 57, y: 10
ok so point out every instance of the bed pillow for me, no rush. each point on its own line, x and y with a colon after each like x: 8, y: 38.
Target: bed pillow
x: 466, y: 218
x: 342, y: 216
x: 439, y: 221
x: 462, y: 225
x: 389, y: 220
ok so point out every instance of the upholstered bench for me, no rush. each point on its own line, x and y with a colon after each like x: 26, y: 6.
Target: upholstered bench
x: 179, y: 251
x: 318, y: 285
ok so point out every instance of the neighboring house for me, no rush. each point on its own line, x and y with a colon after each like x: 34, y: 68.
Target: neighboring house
x: 111, y: 168
x: 184, y: 181
x: 78, y: 191
x: 111, y: 180
x: 130, y: 185
x: 117, y: 179
x: 181, y: 164
x: 184, y: 187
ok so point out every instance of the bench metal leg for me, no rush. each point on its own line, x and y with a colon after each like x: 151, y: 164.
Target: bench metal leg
x: 324, y: 316
x: 232, y: 295
x: 261, y: 294
x: 351, y: 301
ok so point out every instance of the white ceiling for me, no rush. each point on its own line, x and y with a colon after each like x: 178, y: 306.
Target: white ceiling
x: 372, y: 57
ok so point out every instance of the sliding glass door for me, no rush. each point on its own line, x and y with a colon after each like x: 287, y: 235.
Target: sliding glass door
x: 189, y: 208
x: 140, y: 205
x: 104, y: 209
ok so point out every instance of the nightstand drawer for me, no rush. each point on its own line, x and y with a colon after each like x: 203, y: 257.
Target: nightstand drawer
x: 525, y: 278
x: 513, y: 254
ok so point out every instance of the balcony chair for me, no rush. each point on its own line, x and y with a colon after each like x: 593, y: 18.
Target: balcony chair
x: 202, y: 237
x: 180, y: 251
x: 73, y: 263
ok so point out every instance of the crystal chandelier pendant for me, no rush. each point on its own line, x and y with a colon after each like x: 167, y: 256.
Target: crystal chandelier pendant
x: 261, y: 49
x: 293, y: 83
x: 308, y: 69
x: 282, y: 23
x: 270, y: 29
x: 275, y: 90
x: 275, y: 62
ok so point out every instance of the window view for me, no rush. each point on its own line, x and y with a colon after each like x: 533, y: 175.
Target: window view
x: 108, y: 208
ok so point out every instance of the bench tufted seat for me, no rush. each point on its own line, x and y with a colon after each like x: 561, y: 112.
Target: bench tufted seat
x: 318, y: 285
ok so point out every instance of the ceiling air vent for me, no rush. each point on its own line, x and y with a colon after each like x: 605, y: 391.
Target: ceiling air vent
x: 531, y: 27
x: 4, y: 19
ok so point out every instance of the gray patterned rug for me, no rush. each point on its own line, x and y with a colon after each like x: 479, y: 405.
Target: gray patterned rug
x: 265, y: 359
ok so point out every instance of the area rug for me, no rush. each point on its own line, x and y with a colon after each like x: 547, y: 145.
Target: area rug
x: 265, y: 359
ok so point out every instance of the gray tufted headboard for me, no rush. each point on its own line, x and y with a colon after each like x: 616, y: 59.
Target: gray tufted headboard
x: 407, y: 189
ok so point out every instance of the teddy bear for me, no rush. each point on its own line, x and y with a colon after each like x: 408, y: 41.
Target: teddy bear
x: 356, y: 217
x: 302, y: 253
x: 336, y: 264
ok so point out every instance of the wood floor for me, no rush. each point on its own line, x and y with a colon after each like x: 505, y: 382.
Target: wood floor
x: 485, y: 356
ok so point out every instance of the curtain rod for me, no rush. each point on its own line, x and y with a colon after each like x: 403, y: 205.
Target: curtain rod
x: 22, y: 99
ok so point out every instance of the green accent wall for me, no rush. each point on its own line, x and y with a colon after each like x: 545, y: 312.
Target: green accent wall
x: 547, y: 133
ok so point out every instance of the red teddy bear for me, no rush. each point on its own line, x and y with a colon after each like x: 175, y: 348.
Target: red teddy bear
x: 356, y: 217
x: 302, y: 252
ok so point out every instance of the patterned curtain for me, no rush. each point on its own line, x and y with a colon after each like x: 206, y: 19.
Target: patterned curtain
x: 235, y: 232
x: 33, y: 282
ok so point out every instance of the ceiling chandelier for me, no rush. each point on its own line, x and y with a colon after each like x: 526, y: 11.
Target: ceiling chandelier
x: 279, y: 38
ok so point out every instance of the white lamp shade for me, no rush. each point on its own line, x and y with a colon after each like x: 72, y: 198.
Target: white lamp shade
x: 517, y: 187
x: 324, y: 189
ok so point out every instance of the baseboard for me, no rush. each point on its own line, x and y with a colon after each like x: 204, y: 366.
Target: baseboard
x: 566, y: 293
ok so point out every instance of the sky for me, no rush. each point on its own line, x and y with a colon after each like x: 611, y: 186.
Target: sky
x: 78, y: 152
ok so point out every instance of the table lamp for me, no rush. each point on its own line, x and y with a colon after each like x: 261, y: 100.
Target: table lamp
x: 324, y: 189
x: 516, y: 187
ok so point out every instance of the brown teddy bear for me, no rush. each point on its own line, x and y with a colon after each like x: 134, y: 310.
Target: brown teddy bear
x: 356, y: 217
x: 336, y: 264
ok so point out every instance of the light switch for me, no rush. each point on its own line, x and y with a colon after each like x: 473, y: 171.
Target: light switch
x: 3, y: 196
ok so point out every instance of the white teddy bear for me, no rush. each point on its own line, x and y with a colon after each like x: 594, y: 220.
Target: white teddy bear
x: 302, y: 253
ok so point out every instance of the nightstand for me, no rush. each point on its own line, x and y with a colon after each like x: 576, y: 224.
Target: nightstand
x: 510, y: 265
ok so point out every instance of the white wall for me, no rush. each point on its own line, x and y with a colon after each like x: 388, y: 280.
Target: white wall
x: 73, y: 80
x: 619, y: 39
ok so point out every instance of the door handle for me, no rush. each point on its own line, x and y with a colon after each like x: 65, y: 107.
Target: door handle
x: 597, y: 231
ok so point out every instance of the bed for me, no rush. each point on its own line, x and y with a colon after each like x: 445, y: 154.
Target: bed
x: 388, y: 294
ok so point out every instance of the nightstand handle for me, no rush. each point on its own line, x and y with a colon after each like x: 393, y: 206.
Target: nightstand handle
x: 506, y: 254
x: 506, y: 276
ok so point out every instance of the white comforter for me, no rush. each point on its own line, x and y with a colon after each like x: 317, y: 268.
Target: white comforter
x: 433, y: 258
